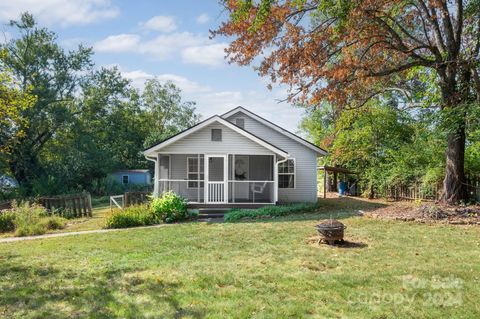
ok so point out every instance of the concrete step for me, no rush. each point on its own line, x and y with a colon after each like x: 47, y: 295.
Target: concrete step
x: 210, y: 215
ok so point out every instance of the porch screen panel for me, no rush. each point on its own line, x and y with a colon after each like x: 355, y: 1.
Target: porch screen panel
x: 164, y: 167
x: 164, y: 173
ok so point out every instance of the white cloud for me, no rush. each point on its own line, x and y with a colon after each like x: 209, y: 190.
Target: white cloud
x: 203, y: 18
x: 164, y: 46
x: 118, y: 43
x: 210, y: 101
x: 49, y: 12
x: 160, y: 48
x: 138, y: 78
x: 161, y: 23
x: 212, y: 54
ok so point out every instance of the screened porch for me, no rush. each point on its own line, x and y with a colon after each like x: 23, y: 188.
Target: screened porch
x: 219, y: 178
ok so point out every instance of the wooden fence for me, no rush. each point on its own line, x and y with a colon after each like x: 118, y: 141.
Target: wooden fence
x: 430, y: 192
x: 136, y: 198
x: 129, y: 199
x: 76, y: 205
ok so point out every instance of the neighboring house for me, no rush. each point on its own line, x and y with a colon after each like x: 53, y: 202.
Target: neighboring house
x: 236, y: 159
x: 133, y: 177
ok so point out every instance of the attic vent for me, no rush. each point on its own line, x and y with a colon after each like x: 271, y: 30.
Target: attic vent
x: 216, y: 135
x: 240, y: 122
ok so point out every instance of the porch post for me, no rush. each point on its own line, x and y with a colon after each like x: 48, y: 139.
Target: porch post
x: 198, y: 178
x: 233, y: 178
x: 156, y: 177
x: 275, y: 179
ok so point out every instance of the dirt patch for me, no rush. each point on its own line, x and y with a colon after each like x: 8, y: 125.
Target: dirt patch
x: 317, y: 241
x: 429, y: 213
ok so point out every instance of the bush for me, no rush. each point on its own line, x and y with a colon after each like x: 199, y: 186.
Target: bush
x: 133, y: 216
x: 32, y: 219
x: 53, y: 222
x: 269, y: 211
x: 170, y: 208
x: 7, y: 221
x: 27, y: 219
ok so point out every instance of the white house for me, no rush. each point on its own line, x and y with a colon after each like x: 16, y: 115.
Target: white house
x: 235, y: 160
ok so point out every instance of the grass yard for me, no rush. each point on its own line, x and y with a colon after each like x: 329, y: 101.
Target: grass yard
x: 264, y: 269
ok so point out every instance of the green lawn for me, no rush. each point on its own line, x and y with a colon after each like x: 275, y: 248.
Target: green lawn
x: 254, y: 269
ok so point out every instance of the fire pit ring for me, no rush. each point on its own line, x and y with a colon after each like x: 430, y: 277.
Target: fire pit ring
x: 331, y: 231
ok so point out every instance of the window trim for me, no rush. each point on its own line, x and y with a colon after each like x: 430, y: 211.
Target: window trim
x: 240, y: 118
x: 128, y: 179
x: 294, y: 175
x: 197, y: 172
x: 221, y: 135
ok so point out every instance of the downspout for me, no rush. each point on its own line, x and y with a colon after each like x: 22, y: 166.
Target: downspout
x: 275, y: 200
x: 155, y: 175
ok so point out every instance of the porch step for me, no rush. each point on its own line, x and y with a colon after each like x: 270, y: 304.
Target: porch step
x: 210, y: 215
x: 212, y: 212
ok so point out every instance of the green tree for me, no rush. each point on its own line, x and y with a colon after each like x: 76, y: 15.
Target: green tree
x: 167, y: 113
x: 384, y: 145
x: 348, y: 52
x: 52, y: 75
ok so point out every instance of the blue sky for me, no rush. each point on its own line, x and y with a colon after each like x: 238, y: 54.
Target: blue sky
x: 164, y: 39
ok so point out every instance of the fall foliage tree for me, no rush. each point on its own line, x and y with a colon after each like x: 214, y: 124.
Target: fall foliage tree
x: 347, y: 52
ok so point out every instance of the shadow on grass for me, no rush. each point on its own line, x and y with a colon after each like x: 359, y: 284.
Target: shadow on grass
x: 336, y: 208
x: 28, y: 291
x: 349, y: 244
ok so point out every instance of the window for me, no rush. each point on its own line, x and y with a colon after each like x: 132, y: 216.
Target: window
x: 216, y: 135
x: 286, y: 174
x: 125, y: 179
x: 192, y: 172
x: 240, y: 122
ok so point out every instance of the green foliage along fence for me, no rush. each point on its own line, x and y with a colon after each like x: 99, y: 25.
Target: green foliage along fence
x: 76, y: 205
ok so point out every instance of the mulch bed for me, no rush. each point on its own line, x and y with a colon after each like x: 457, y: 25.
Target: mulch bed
x: 429, y: 213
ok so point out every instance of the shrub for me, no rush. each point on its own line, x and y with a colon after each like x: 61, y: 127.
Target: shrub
x: 269, y: 211
x: 170, y: 208
x: 53, y: 222
x: 32, y: 219
x: 138, y: 215
x: 7, y: 221
x: 27, y: 218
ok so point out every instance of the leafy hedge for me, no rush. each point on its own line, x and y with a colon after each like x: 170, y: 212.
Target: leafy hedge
x: 237, y: 214
x: 133, y: 216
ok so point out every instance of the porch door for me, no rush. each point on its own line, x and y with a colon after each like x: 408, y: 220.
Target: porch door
x: 216, y: 176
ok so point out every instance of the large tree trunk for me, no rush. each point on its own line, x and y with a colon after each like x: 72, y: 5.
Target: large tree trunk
x: 454, y: 93
x: 454, y: 182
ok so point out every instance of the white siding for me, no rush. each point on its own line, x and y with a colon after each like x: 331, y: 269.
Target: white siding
x: 200, y: 142
x: 306, y: 160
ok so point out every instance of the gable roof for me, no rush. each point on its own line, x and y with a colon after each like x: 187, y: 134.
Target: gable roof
x: 215, y: 119
x: 276, y: 128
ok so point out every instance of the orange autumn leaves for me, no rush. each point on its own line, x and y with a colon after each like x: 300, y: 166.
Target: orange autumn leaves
x: 343, y: 56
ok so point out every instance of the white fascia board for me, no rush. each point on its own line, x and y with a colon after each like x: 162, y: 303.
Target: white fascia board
x: 216, y: 118
x: 276, y: 128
